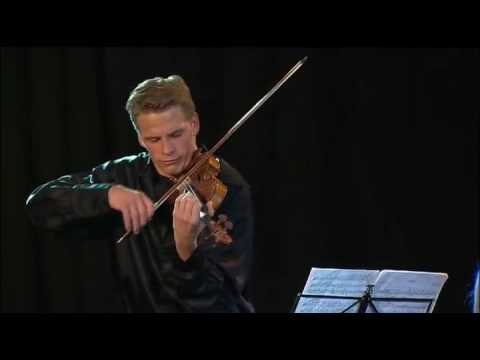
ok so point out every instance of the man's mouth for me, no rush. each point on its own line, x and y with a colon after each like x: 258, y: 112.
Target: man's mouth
x: 169, y: 162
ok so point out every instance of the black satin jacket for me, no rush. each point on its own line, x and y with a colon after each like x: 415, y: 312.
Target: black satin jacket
x: 152, y: 276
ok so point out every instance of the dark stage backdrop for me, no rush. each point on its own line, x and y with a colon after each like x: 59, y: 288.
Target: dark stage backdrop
x: 366, y: 158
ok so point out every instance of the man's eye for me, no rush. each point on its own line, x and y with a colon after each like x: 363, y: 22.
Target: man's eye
x: 154, y: 140
x: 176, y: 135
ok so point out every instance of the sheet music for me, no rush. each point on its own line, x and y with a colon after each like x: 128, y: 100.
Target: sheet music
x: 408, y: 284
x: 389, y: 307
x: 339, y: 282
x: 334, y: 282
x: 320, y: 305
x: 388, y: 284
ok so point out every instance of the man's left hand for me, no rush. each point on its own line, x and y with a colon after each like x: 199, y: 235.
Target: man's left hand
x: 186, y: 224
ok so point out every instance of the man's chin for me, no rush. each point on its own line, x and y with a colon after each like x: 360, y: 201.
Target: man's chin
x: 169, y: 171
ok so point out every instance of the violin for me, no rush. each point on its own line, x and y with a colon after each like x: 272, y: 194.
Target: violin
x: 201, y: 178
x: 205, y: 185
x: 204, y: 182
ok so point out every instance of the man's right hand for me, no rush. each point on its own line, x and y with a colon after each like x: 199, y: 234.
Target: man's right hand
x: 136, y: 207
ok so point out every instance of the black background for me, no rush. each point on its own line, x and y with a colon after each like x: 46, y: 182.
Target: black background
x: 366, y: 158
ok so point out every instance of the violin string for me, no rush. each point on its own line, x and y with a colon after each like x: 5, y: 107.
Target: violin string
x: 206, y: 216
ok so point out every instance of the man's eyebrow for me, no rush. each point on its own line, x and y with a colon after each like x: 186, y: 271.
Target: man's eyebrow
x: 176, y: 131
x: 169, y: 134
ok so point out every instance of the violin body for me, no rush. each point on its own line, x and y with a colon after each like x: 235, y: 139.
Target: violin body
x: 205, y: 181
x: 206, y: 185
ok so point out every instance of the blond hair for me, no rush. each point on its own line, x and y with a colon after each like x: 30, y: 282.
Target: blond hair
x: 159, y: 94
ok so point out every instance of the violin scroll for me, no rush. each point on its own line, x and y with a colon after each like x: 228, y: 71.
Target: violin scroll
x: 219, y: 230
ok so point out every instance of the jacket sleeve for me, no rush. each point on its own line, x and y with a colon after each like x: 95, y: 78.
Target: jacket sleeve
x: 72, y: 197
x: 220, y: 273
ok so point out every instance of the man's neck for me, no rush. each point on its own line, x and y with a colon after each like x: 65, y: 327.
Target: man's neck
x: 171, y: 177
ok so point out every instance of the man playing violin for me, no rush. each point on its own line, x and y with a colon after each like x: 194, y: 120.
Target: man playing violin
x: 169, y: 262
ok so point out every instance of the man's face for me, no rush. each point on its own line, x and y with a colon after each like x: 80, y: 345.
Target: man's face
x: 170, y: 138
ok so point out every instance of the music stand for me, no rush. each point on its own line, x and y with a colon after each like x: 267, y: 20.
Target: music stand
x: 397, y: 291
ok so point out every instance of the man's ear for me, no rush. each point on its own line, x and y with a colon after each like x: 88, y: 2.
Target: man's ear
x: 140, y: 141
x: 196, y: 123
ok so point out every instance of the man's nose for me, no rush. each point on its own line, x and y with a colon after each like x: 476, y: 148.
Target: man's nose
x: 167, y: 147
